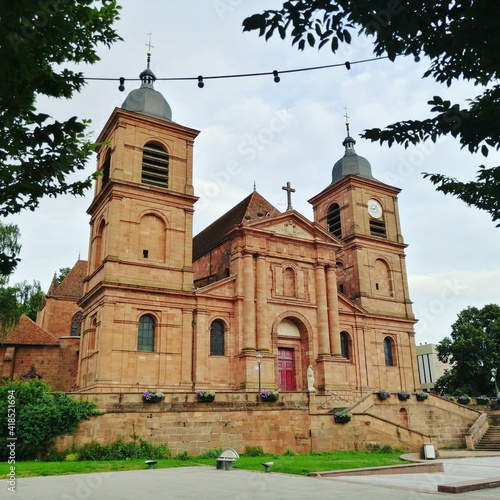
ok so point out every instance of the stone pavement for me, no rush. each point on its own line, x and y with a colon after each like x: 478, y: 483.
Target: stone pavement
x: 209, y: 483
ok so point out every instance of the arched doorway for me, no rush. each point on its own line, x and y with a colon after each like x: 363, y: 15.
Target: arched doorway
x: 288, y: 354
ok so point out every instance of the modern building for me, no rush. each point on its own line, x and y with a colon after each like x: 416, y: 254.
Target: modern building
x: 429, y: 366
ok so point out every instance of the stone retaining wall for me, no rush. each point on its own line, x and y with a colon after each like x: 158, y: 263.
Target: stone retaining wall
x: 298, y: 421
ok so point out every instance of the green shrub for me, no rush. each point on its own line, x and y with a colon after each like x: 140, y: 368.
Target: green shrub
x: 385, y: 449
x: 213, y: 453
x: 40, y: 416
x: 182, y: 456
x: 72, y: 457
x: 53, y: 455
x: 92, y: 451
x: 122, y: 450
x: 289, y: 453
x: 254, y: 451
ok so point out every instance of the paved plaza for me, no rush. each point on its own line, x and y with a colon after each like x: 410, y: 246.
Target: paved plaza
x: 209, y: 483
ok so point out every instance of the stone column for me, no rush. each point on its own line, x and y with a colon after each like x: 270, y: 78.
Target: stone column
x: 333, y: 310
x: 263, y: 327
x: 321, y: 300
x: 248, y: 302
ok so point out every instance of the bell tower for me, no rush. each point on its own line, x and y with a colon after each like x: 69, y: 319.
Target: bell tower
x: 363, y: 213
x: 140, y: 249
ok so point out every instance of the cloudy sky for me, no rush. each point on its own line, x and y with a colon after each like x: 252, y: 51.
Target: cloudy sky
x: 255, y: 130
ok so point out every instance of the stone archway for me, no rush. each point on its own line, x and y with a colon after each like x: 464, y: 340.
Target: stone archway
x: 290, y: 343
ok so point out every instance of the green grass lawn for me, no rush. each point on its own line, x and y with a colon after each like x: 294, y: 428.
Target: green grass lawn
x: 290, y: 464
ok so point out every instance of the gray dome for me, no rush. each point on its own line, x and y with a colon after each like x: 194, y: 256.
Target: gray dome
x: 351, y: 163
x: 147, y: 100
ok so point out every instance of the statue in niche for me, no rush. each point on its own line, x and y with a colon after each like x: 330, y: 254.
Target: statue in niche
x: 310, y: 379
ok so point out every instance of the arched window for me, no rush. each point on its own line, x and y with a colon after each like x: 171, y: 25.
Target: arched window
x: 155, y: 166
x: 389, y: 351
x: 333, y: 220
x: 76, y: 324
x: 152, y: 238
x: 99, y: 244
x: 345, y: 345
x: 105, y: 169
x: 146, y: 336
x: 217, y: 338
x: 289, y: 287
x: 383, y: 280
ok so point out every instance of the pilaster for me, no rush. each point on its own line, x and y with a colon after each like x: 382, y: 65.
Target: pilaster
x: 322, y: 312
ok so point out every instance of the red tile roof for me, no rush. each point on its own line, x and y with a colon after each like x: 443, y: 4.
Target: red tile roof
x: 27, y: 332
x: 253, y: 207
x: 71, y: 286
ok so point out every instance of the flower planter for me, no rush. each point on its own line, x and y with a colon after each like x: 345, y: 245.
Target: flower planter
x: 205, y: 396
x: 383, y: 395
x: 152, y: 399
x: 421, y: 397
x: 269, y: 399
x: 482, y: 401
x: 269, y: 396
x: 205, y: 399
x: 342, y: 420
x: 463, y: 401
x: 403, y: 397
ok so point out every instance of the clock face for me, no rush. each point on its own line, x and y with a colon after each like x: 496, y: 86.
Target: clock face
x: 374, y: 209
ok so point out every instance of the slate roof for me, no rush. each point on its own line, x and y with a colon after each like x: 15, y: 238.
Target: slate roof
x: 71, y: 287
x: 253, y: 207
x: 27, y: 332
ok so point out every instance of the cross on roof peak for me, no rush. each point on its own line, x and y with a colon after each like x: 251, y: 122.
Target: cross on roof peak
x: 346, y: 116
x: 289, y: 190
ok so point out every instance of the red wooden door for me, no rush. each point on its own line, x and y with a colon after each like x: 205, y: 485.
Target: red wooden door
x: 286, y: 369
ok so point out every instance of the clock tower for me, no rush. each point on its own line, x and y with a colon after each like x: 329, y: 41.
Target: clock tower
x: 362, y: 212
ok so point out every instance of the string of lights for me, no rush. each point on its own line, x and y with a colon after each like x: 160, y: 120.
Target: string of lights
x: 275, y: 74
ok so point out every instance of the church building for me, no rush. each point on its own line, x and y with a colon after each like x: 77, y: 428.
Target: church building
x: 260, y: 300
x: 165, y: 311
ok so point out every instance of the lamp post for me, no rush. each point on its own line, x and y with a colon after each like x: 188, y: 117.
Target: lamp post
x: 259, y: 359
x: 494, y: 379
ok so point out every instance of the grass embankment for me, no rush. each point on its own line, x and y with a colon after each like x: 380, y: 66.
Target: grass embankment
x: 290, y: 464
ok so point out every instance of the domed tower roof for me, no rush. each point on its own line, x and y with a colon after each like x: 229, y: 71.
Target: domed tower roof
x: 146, y: 99
x: 351, y: 163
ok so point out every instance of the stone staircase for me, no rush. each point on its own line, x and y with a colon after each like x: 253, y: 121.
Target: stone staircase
x: 490, y: 441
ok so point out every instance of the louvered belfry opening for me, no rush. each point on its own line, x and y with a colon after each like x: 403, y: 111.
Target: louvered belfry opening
x: 333, y: 220
x: 154, y: 166
x: 377, y: 228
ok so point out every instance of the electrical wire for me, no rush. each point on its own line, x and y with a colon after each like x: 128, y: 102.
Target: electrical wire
x: 274, y: 73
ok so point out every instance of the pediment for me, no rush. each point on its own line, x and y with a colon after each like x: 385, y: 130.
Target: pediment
x: 294, y: 225
x: 221, y: 288
x: 346, y: 305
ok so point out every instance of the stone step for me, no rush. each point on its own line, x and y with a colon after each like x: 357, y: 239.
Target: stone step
x: 490, y: 441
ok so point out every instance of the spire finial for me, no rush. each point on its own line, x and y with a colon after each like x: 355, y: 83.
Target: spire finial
x: 254, y: 186
x: 150, y: 34
x: 346, y: 116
